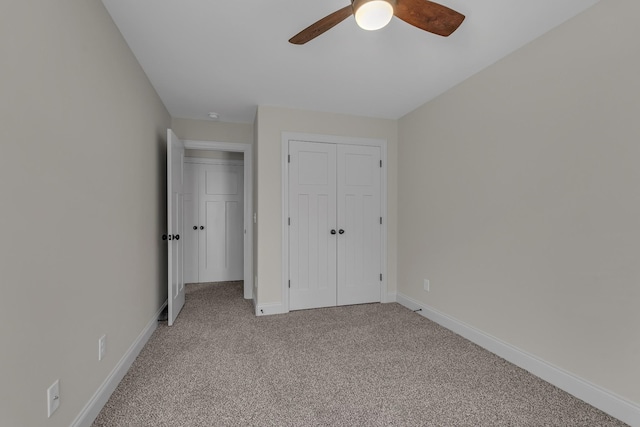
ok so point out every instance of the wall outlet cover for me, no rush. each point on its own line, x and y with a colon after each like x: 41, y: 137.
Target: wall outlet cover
x: 102, y: 347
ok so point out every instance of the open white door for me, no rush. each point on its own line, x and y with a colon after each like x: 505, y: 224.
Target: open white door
x: 175, y: 201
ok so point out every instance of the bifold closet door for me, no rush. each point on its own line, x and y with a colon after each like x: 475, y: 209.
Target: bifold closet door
x: 359, y: 223
x: 312, y: 216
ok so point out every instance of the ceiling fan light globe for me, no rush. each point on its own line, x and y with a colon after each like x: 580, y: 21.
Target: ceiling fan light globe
x: 373, y: 15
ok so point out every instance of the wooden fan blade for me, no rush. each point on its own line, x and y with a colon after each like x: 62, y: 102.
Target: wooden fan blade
x: 429, y: 16
x: 326, y: 23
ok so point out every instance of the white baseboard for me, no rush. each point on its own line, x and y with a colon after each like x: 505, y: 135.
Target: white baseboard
x: 268, y: 309
x: 594, y: 395
x: 91, y: 410
x: 278, y: 308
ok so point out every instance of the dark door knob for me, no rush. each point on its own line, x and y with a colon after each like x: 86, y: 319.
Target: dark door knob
x: 176, y: 237
x: 341, y: 231
x: 164, y: 237
x: 202, y: 227
x: 195, y: 227
x: 333, y: 231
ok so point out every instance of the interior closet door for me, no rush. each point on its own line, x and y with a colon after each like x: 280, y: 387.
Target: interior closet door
x: 335, y: 243
x: 312, y: 210
x: 221, y: 228
x: 359, y: 222
x: 191, y: 223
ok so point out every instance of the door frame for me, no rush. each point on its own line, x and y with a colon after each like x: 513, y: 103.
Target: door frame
x: 339, y: 140
x: 209, y: 161
x: 247, y: 150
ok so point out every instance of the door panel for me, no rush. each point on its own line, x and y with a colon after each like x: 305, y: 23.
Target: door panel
x: 212, y: 241
x: 359, y: 212
x: 220, y: 180
x: 312, y: 205
x: 235, y: 239
x: 190, y: 221
x: 175, y: 200
x: 221, y: 243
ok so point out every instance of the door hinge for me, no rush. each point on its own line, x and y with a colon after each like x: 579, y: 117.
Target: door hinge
x: 380, y: 163
x: 380, y: 220
x: 289, y: 221
x: 289, y: 158
x: 381, y: 277
x: 289, y: 284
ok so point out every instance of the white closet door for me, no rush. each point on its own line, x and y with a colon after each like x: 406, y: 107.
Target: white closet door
x: 221, y: 243
x: 312, y: 210
x: 191, y: 221
x: 359, y: 212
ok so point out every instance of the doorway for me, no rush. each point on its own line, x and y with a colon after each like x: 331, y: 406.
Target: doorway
x: 233, y: 150
x: 213, y: 217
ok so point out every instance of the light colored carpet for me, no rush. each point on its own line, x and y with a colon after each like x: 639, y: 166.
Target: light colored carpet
x: 366, y: 365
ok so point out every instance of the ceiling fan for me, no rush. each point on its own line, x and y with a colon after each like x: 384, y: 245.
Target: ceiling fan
x: 375, y: 14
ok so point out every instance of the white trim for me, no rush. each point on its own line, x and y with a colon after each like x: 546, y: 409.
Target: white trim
x: 208, y: 161
x: 333, y: 139
x: 285, y: 225
x: 329, y: 139
x: 237, y: 147
x: 594, y: 395
x: 247, y: 149
x: 268, y: 309
x: 91, y: 410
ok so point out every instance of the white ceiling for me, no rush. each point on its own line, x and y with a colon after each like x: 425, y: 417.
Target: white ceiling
x: 231, y: 56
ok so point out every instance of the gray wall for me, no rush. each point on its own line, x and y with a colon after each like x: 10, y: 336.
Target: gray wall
x: 208, y: 130
x: 518, y: 199
x: 83, y: 196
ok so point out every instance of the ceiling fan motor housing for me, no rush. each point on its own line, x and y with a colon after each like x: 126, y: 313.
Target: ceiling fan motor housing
x: 357, y: 3
x: 373, y: 14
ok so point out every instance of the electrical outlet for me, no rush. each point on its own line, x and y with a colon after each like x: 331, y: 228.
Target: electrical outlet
x: 53, y: 398
x: 426, y: 285
x: 102, y: 347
